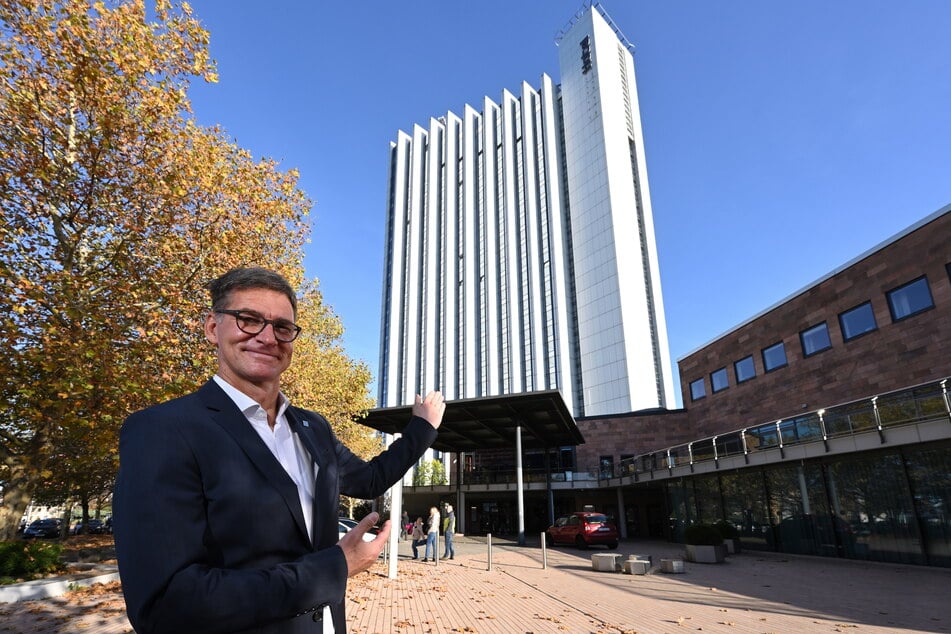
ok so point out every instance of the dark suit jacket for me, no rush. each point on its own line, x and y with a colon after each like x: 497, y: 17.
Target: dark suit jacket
x: 209, y: 530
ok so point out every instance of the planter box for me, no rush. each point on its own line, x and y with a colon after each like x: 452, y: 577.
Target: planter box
x: 637, y: 566
x: 706, y: 554
x: 606, y: 562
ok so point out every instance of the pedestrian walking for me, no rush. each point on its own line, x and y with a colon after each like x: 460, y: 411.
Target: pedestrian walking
x: 405, y: 526
x: 417, y: 535
x: 433, y: 533
x: 449, y: 529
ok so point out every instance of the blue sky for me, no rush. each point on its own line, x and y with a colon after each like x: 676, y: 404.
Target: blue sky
x: 783, y: 139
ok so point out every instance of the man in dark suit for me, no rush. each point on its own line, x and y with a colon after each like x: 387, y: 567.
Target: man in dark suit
x: 225, y: 509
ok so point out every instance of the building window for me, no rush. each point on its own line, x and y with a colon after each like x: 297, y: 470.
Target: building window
x: 697, y: 390
x: 718, y: 380
x: 815, y: 339
x: 744, y: 369
x: 607, y: 467
x: 774, y: 357
x: 910, y: 299
x: 948, y: 269
x: 857, y: 321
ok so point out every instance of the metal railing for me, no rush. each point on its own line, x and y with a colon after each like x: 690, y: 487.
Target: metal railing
x: 506, y: 475
x: 919, y: 404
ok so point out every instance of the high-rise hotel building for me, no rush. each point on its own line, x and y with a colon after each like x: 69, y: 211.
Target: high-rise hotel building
x: 520, y: 251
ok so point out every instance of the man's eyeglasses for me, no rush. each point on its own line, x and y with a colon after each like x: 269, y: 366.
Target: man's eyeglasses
x: 251, y: 324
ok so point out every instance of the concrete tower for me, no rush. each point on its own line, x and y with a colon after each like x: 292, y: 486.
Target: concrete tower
x: 520, y: 249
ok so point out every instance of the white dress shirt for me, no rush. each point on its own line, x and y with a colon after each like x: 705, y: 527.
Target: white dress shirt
x: 289, y: 451
x: 283, y: 443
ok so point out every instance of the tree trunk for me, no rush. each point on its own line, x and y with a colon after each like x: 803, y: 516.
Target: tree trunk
x: 17, y: 493
x: 67, y: 518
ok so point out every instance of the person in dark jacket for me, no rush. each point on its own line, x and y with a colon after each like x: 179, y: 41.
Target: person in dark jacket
x: 225, y: 508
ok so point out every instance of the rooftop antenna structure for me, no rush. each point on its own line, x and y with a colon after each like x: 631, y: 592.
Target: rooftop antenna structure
x: 591, y: 4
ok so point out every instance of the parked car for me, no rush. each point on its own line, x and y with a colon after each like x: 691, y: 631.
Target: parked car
x: 345, y: 525
x: 583, y: 529
x: 47, y: 527
x: 94, y: 527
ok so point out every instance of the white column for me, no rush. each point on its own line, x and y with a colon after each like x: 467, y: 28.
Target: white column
x: 518, y: 483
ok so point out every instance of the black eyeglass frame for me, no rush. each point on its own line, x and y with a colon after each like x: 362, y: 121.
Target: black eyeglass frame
x: 240, y: 315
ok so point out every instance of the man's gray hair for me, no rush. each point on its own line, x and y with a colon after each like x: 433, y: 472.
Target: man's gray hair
x: 244, y: 278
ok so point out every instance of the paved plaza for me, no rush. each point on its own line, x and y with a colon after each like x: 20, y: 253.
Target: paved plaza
x: 752, y: 592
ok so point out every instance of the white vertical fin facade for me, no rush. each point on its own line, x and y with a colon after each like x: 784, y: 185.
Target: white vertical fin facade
x: 473, y: 297
x: 520, y: 251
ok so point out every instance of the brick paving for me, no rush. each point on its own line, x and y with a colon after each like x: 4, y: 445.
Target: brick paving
x: 752, y: 592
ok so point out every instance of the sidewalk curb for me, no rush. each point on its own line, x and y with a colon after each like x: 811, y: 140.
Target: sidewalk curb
x: 56, y: 586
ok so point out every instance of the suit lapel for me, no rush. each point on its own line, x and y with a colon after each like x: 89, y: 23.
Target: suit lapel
x: 312, y: 434
x: 231, y: 419
x: 317, y: 447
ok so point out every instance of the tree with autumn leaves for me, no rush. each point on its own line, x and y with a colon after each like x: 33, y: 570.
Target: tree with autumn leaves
x: 117, y: 207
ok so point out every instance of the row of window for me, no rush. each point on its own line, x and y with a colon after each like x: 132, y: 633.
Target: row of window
x: 904, y: 301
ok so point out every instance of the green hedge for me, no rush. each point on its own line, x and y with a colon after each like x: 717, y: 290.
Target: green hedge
x: 703, y: 535
x: 727, y: 529
x: 28, y: 559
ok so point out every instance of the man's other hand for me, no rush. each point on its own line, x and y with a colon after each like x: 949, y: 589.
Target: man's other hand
x: 362, y: 554
x: 430, y: 408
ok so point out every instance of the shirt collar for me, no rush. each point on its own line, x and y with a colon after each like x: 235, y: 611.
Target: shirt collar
x: 245, y: 403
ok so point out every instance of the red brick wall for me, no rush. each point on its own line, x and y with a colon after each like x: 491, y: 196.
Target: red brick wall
x: 633, y: 434
x: 897, y: 355
x: 900, y: 354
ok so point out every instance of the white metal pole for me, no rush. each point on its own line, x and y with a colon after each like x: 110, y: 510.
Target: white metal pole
x: 396, y: 510
x: 518, y: 478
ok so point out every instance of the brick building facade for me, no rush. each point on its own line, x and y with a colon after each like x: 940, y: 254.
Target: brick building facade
x: 881, y: 322
x: 861, y: 481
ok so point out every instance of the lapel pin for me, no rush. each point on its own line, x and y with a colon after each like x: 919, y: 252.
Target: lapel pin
x: 306, y: 424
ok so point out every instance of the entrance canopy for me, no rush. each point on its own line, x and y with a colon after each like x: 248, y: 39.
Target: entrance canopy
x: 490, y: 422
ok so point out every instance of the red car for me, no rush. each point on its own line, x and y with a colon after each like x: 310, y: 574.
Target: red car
x: 583, y: 529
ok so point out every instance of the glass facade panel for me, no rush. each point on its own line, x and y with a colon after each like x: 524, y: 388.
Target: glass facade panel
x: 744, y: 369
x: 890, y: 506
x: 774, y: 356
x: 929, y: 471
x: 718, y: 380
x: 874, y: 510
x: 798, y: 510
x: 679, y: 497
x: 857, y: 321
x: 910, y: 299
x: 744, y: 505
x: 706, y: 490
x: 815, y: 339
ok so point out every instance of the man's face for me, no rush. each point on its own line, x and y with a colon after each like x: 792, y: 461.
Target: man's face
x: 251, y: 359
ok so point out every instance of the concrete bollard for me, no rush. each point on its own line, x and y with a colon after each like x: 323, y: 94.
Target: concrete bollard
x: 673, y: 566
x: 544, y: 553
x: 605, y: 562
